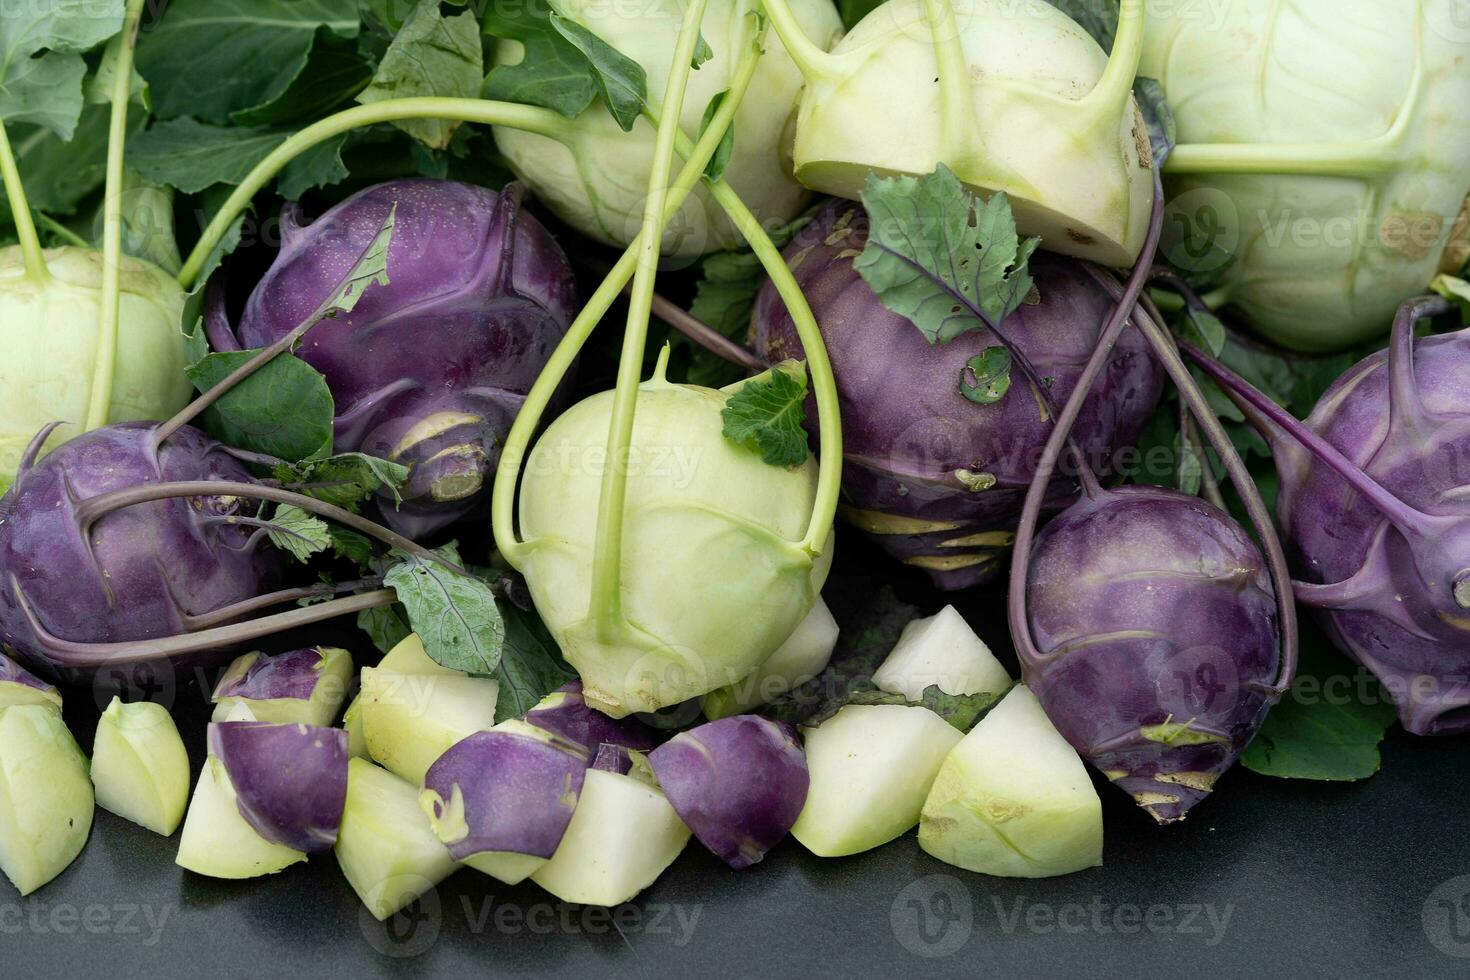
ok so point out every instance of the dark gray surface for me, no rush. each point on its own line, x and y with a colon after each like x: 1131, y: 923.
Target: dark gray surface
x: 1267, y: 878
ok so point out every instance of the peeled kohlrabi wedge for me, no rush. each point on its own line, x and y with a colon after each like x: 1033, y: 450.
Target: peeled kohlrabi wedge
x: 623, y: 834
x: 941, y: 650
x: 1014, y: 799
x: 385, y: 846
x: 139, y: 766
x: 20, y: 686
x: 303, y: 686
x: 410, y: 657
x: 803, y: 656
x: 871, y: 768
x: 218, y: 842
x: 45, y: 796
x: 410, y: 720
x: 356, y: 740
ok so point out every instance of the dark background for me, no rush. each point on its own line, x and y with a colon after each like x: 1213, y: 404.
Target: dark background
x: 1268, y: 877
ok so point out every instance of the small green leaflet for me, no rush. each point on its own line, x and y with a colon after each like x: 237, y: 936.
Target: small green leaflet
x: 531, y: 665
x: 702, y: 51
x: 41, y: 66
x: 454, y: 614
x: 942, y: 257
x: 344, y: 480
x: 963, y: 711
x: 721, y: 160
x: 1204, y: 330
x: 765, y: 414
x: 987, y: 376
x: 1329, y: 725
x: 351, y: 546
x: 384, y: 625
x: 192, y: 156
x: 621, y: 81
x: 298, y: 533
x: 432, y: 55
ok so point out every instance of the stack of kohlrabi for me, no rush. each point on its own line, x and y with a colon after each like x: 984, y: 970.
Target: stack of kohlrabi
x: 1010, y: 288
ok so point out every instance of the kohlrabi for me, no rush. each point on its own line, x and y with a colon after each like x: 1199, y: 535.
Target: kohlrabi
x: 1012, y: 97
x: 1322, y: 157
x: 20, y: 686
x: 302, y: 686
x: 1374, y: 505
x: 89, y: 337
x: 46, y: 800
x: 290, y: 780
x: 594, y: 175
x: 429, y: 369
x: 686, y: 560
x: 385, y: 846
x: 139, y: 766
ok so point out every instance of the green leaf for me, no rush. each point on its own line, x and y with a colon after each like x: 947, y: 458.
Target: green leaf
x: 1456, y: 289
x: 320, y: 166
x: 703, y: 53
x: 1097, y: 17
x: 284, y: 409
x: 58, y: 174
x: 531, y: 664
x: 384, y: 625
x: 351, y: 546
x: 1204, y: 330
x: 963, y: 711
x: 1191, y: 472
x: 621, y: 81
x: 211, y: 58
x: 853, y: 11
x: 766, y: 414
x: 192, y: 155
x: 432, y: 55
x: 1163, y: 132
x: 552, y: 73
x: 41, y: 68
x: 987, y: 376
x: 344, y: 480
x: 299, y: 533
x: 718, y: 163
x: 1329, y: 724
x: 454, y: 614
x: 940, y: 256
x: 334, y: 73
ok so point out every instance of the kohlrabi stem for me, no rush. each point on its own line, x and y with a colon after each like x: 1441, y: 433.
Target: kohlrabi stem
x: 93, y: 509
x: 810, y: 59
x: 532, y: 119
x: 704, y: 335
x: 1115, y: 86
x: 20, y: 213
x: 1406, y: 406
x: 964, y: 146
x: 518, y: 441
x: 69, y: 653
x: 1404, y: 517
x: 104, y: 363
x: 1365, y: 159
x: 226, y: 614
x: 1250, y: 495
x: 60, y: 230
x: 1016, y: 604
x: 1189, y: 433
x: 606, y: 606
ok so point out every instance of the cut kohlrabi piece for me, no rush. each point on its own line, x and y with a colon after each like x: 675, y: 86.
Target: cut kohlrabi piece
x: 217, y: 840
x: 871, y: 768
x: 385, y: 845
x: 501, y: 800
x: 410, y: 657
x: 352, y: 722
x: 803, y: 656
x: 139, y: 766
x: 410, y: 720
x: 1014, y: 799
x: 290, y: 780
x: 566, y: 712
x: 306, y: 686
x: 45, y: 796
x: 20, y: 686
x: 941, y: 650
x: 623, y: 835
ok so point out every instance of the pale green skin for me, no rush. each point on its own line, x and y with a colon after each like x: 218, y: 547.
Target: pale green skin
x: 802, y: 656
x: 871, y: 769
x: 1387, y: 87
x: 218, y: 842
x: 139, y: 766
x: 595, y: 176
x: 1072, y: 156
x: 12, y: 693
x: 334, y: 674
x: 409, y: 720
x: 48, y: 333
x: 941, y: 650
x: 384, y: 846
x: 714, y: 578
x: 623, y: 834
x: 46, y: 798
x: 356, y: 740
x: 1014, y: 799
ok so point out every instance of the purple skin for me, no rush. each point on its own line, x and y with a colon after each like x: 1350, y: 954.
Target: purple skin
x: 1152, y: 608
x: 565, y: 713
x: 739, y: 783
x: 143, y: 572
x: 430, y: 370
x: 908, y: 432
x: 291, y: 675
x: 518, y: 791
x: 1375, y: 504
x: 290, y: 780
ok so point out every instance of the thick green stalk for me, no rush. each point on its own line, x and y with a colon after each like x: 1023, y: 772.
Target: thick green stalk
x: 518, y: 441
x: 105, y: 363
x: 544, y: 122
x: 964, y: 146
x: 20, y: 211
x: 1366, y: 159
x: 1113, y: 90
x: 810, y: 59
x: 607, y: 559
